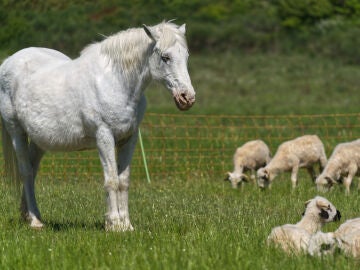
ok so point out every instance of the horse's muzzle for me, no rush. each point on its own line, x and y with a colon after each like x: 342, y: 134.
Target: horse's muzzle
x: 184, y: 100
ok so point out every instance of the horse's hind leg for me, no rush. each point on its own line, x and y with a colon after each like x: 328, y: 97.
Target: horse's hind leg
x: 35, y: 157
x: 21, y: 147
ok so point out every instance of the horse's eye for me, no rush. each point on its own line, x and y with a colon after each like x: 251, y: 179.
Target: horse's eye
x: 165, y: 58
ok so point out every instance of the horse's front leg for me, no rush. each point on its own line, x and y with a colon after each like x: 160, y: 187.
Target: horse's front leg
x: 106, y: 146
x: 125, y: 153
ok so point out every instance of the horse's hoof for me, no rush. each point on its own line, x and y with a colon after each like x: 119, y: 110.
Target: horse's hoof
x: 36, y: 224
x: 118, y: 227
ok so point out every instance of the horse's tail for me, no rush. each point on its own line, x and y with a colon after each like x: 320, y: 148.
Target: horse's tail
x: 11, y: 168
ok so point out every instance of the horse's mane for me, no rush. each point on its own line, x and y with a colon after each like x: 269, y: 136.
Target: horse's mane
x: 128, y: 49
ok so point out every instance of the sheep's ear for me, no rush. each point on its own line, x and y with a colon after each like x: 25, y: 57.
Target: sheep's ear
x: 329, y: 180
x: 267, y: 174
x: 151, y: 34
x: 307, y: 202
x: 321, y: 204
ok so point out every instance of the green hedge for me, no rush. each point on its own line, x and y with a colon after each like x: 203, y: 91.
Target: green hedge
x: 328, y: 27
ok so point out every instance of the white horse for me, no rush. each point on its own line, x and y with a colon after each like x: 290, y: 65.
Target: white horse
x: 49, y: 102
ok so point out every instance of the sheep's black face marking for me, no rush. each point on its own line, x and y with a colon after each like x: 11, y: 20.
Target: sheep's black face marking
x: 325, y: 247
x: 323, y: 214
x: 338, y: 216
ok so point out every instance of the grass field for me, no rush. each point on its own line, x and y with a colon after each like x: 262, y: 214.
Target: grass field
x: 197, y: 223
x: 235, y: 83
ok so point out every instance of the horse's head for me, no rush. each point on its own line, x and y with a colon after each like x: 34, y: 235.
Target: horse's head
x: 168, y: 62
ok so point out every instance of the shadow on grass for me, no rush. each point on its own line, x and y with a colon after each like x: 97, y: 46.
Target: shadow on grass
x: 60, y: 226
x: 69, y: 225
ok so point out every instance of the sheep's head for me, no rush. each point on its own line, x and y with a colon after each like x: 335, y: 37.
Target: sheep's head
x: 324, y: 183
x: 263, y: 177
x: 321, y: 209
x: 236, y: 178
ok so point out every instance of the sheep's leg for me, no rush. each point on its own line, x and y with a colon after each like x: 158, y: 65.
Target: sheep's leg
x: 318, y: 240
x: 312, y: 173
x: 294, y: 173
x: 348, y: 178
x: 252, y: 175
x: 347, y: 183
x: 322, y: 162
x: 242, y: 186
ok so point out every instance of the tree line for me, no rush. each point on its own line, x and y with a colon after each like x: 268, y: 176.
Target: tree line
x: 321, y: 27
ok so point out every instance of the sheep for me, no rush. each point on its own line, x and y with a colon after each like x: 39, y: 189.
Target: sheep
x: 295, y: 238
x: 346, y: 238
x: 343, y: 165
x: 250, y: 156
x: 302, y: 152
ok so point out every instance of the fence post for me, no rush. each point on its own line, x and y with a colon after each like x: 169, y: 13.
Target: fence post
x: 144, y: 157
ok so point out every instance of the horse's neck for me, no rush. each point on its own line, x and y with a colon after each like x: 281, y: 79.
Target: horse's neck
x: 129, y: 53
x: 128, y: 70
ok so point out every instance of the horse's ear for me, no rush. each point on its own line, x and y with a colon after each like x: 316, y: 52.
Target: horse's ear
x: 150, y: 33
x: 182, y: 28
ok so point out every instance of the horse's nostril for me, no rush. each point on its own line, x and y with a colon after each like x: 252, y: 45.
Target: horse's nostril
x: 184, y: 96
x: 184, y: 100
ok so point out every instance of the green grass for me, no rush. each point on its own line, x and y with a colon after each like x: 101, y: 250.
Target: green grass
x: 236, y: 83
x: 196, y: 224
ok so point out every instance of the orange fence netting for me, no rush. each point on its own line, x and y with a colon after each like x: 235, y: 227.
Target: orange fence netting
x: 190, y: 146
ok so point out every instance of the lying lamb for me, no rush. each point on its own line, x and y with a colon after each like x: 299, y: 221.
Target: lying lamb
x: 302, y: 152
x: 343, y: 164
x: 249, y: 157
x: 346, y: 238
x: 295, y: 238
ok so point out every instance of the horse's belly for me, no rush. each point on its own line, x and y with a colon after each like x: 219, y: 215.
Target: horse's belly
x: 84, y: 144
x: 71, y: 134
x: 52, y: 136
x: 68, y: 143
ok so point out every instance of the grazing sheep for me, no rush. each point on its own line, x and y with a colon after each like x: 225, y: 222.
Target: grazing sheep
x: 249, y: 157
x: 346, y: 238
x: 295, y: 238
x: 302, y: 152
x: 343, y: 165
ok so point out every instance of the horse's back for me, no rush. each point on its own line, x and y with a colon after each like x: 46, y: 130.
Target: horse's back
x: 27, y: 61
x: 19, y: 95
